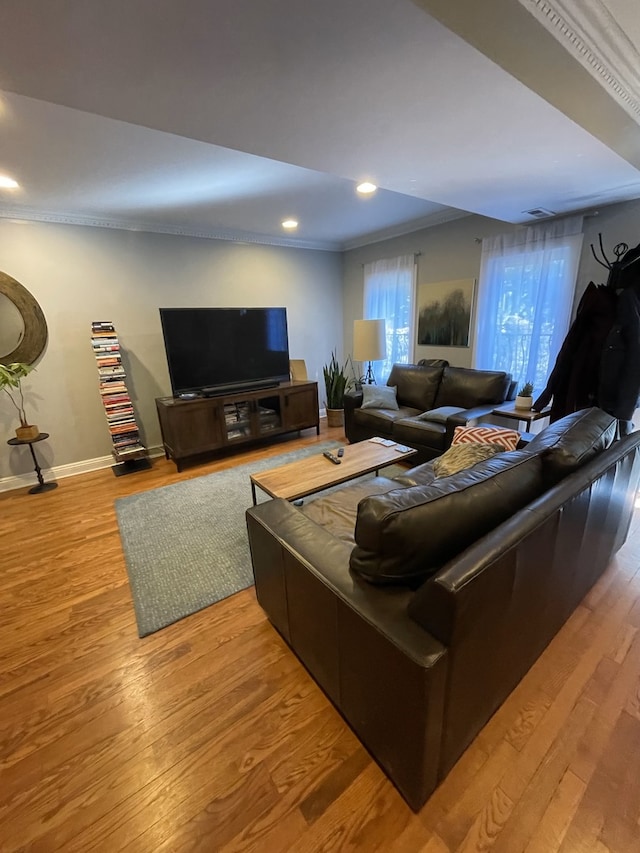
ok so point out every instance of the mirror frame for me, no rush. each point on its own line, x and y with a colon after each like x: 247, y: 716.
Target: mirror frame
x: 35, y: 326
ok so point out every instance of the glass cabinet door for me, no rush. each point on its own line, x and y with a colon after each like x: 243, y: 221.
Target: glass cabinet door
x: 237, y: 419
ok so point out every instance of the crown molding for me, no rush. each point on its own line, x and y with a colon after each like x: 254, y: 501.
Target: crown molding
x: 31, y: 215
x: 589, y: 31
x: 26, y: 214
x: 439, y: 218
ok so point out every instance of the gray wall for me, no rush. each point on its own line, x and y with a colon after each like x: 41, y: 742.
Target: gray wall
x: 450, y: 251
x: 80, y: 274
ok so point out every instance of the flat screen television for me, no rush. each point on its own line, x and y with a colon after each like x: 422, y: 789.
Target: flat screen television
x: 214, y: 350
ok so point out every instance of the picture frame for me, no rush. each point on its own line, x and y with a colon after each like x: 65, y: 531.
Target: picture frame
x: 444, y: 311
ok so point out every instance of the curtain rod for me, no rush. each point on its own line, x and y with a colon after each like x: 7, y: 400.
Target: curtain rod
x: 415, y: 255
x: 589, y: 215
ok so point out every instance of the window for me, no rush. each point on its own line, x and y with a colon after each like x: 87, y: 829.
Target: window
x: 526, y: 288
x: 389, y: 287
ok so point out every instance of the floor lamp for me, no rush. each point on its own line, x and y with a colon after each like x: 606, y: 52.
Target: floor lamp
x: 369, y: 344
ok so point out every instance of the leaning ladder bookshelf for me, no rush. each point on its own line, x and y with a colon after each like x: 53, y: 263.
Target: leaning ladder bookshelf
x: 128, y: 451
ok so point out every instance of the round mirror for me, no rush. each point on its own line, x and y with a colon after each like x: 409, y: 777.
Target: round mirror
x: 23, y: 328
x: 11, y: 326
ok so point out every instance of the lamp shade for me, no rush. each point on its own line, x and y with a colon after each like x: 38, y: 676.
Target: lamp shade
x: 369, y: 340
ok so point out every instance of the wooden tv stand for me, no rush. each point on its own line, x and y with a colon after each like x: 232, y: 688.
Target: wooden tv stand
x: 192, y: 428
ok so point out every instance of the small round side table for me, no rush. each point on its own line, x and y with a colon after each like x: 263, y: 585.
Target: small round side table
x: 42, y: 486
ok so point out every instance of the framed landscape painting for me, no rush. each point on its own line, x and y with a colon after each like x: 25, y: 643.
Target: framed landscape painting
x: 444, y: 313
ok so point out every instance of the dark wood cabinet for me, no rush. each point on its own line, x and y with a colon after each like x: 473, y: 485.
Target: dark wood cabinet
x: 191, y: 428
x: 298, y: 403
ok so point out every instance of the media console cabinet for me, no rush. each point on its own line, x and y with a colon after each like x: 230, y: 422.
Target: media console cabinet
x: 191, y: 428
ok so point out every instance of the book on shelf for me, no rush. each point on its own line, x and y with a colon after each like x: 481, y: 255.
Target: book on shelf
x: 111, y: 387
x: 134, y: 442
x: 119, y: 418
x: 133, y: 450
x: 119, y: 411
x: 113, y: 370
x: 116, y: 402
x: 124, y: 426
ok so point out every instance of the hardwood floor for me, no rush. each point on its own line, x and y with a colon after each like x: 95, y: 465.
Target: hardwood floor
x: 210, y: 736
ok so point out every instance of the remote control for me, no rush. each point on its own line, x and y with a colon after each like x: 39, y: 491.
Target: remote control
x: 341, y: 452
x: 331, y: 457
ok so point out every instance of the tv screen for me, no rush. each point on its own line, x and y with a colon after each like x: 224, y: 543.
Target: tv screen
x: 212, y: 350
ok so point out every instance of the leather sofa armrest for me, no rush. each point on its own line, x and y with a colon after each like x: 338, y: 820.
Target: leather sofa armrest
x: 382, y: 670
x: 315, y: 550
x: 467, y: 417
x: 352, y: 401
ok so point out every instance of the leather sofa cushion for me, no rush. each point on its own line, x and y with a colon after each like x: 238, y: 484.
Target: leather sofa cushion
x: 571, y: 441
x: 462, y: 386
x: 336, y: 511
x: 417, y: 386
x: 381, y: 421
x: 421, y: 475
x: 439, y: 416
x: 407, y: 534
x: 416, y: 432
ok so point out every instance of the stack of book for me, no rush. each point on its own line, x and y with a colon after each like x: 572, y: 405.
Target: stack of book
x: 118, y: 407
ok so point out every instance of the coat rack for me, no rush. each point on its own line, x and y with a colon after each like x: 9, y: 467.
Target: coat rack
x: 619, y: 277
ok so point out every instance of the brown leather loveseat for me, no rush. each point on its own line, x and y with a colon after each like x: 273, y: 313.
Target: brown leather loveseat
x: 418, y: 603
x: 433, y: 399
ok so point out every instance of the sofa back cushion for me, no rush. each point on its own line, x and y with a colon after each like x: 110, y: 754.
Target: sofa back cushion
x: 568, y: 443
x: 463, y: 386
x: 407, y: 534
x: 417, y: 386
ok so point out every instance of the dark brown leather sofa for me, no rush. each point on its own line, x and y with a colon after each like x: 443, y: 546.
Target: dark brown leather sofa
x: 433, y: 399
x: 417, y: 604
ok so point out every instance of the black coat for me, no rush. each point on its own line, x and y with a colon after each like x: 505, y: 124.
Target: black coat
x: 599, y: 361
x: 619, y: 379
x: 574, y: 381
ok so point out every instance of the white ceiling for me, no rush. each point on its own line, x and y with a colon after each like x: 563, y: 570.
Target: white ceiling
x: 222, y: 117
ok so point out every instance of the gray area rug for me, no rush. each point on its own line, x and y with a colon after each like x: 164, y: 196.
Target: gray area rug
x: 186, y: 546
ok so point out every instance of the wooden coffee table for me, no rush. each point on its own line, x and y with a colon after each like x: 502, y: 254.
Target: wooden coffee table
x: 315, y: 473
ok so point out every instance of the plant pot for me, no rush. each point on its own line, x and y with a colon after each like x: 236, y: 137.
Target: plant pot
x: 524, y: 403
x: 335, y: 417
x: 27, y: 433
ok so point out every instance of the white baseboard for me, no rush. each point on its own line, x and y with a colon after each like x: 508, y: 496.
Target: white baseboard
x: 59, y: 472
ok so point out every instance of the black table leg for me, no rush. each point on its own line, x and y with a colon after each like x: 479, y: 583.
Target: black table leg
x: 42, y: 486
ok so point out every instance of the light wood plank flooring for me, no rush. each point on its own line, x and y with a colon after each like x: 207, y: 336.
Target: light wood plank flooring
x: 210, y: 736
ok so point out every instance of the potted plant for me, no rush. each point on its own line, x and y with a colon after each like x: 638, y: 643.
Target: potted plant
x: 336, y: 383
x: 11, y: 376
x: 524, y: 397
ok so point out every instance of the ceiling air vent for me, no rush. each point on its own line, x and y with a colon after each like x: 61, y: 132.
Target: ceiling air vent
x: 539, y: 212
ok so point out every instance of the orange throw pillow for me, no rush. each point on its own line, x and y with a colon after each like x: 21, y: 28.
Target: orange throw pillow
x: 508, y: 438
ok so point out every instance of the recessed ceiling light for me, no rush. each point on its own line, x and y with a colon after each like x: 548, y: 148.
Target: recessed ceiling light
x: 290, y: 223
x: 366, y: 187
x: 7, y: 183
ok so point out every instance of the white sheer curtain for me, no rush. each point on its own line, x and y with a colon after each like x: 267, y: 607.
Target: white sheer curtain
x: 525, y: 295
x: 389, y: 286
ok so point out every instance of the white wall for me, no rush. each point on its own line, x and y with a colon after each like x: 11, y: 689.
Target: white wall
x: 451, y: 251
x: 80, y: 274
